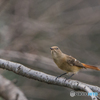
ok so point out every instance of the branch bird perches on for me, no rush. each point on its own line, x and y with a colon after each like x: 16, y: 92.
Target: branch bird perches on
x: 40, y: 76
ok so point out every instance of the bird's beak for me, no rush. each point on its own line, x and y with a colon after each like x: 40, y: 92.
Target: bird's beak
x: 51, y: 48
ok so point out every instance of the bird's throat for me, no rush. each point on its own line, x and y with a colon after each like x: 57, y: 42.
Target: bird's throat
x: 57, y: 56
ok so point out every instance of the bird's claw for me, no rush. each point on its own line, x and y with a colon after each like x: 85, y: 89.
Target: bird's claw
x: 56, y: 78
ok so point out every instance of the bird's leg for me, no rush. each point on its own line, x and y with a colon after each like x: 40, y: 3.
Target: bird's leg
x: 60, y: 75
x: 69, y: 77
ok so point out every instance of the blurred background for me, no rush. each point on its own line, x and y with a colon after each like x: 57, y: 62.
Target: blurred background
x: 28, y: 28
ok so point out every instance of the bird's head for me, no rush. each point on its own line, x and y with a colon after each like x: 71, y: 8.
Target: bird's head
x: 55, y: 51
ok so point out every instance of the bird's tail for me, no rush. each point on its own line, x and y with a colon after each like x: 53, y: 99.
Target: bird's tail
x: 90, y: 67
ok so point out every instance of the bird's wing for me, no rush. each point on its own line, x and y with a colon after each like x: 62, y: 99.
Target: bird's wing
x: 74, y: 62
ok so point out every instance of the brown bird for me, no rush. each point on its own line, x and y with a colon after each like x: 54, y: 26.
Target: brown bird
x: 68, y: 63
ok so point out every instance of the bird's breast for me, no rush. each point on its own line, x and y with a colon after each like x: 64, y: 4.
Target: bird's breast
x: 60, y: 62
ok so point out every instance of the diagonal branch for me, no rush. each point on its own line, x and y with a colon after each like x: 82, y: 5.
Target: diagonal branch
x: 40, y: 76
x: 9, y: 91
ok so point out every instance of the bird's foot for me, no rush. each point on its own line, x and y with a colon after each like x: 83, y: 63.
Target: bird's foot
x: 68, y: 77
x: 60, y: 75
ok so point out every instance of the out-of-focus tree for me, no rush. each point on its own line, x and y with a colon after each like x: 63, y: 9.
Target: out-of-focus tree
x: 33, y: 26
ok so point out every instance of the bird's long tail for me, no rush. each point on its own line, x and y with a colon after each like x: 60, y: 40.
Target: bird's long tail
x: 91, y: 67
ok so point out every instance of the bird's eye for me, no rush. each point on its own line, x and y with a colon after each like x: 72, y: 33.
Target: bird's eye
x: 56, y: 48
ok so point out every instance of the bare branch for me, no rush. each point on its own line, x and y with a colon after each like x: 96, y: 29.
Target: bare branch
x: 9, y: 91
x: 30, y: 59
x: 40, y: 76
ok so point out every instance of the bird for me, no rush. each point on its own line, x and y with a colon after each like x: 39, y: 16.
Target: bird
x: 68, y: 63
